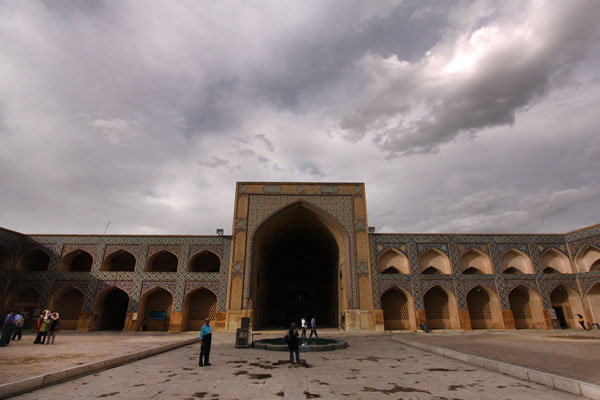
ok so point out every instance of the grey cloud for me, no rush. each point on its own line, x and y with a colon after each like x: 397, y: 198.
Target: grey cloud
x: 415, y: 107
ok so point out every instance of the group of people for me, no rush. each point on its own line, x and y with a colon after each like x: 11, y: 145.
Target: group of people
x: 47, y: 324
x: 291, y: 337
x: 46, y: 327
x: 12, y: 327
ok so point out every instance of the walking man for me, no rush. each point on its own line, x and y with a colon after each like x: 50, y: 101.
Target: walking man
x: 205, y: 339
x: 313, y: 327
x: 303, y: 325
x: 10, y: 324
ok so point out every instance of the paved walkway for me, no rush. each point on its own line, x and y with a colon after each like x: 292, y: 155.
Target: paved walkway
x: 572, y: 354
x: 374, y: 366
x: 23, y: 359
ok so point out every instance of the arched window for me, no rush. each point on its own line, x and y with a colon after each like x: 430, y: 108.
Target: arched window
x: 163, y: 261
x: 5, y: 259
x: 587, y: 257
x: 555, y: 262
x: 198, y: 305
x: 475, y: 262
x: 434, y: 259
x: 120, y: 260
x: 391, y: 261
x: 34, y: 260
x: 514, y: 261
x: 76, y: 261
x: 205, y: 261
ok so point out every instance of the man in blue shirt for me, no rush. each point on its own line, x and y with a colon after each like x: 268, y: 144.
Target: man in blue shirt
x: 313, y: 327
x: 205, y: 339
x: 10, y: 323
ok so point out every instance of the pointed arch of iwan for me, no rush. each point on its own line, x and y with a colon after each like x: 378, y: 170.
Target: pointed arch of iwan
x: 514, y: 261
x: 392, y: 261
x: 475, y: 262
x: 526, y: 306
x: 398, y: 309
x: 154, y: 312
x: 198, y: 305
x: 484, y: 308
x: 441, y: 311
x: 588, y: 259
x: 68, y: 302
x: 434, y: 261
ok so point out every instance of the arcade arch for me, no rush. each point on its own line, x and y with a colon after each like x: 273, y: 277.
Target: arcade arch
x: 120, y: 260
x: 204, y: 261
x: 68, y: 302
x: 5, y: 259
x: 475, y: 262
x: 440, y: 309
x: 434, y: 261
x: 587, y: 257
x: 34, y: 260
x: 593, y: 300
x: 163, y: 261
x: 26, y: 299
x: 297, y: 256
x: 514, y: 261
x: 76, y: 261
x: 110, y: 310
x: 398, y: 310
x: 484, y: 308
x: 527, y: 308
x: 392, y: 261
x: 555, y: 262
x: 567, y: 304
x: 198, y: 305
x: 154, y: 311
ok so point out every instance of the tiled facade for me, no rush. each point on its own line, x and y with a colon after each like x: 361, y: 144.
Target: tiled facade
x: 341, y: 206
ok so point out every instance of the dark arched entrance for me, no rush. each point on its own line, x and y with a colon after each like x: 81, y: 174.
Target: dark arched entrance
x: 114, y: 310
x: 295, y: 264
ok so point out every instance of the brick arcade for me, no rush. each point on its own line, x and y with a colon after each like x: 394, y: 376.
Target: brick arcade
x: 305, y: 249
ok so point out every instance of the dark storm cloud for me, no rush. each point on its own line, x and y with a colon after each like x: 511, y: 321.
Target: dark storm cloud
x: 146, y: 115
x: 472, y: 80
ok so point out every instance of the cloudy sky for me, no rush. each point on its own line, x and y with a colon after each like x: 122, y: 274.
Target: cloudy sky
x: 459, y: 116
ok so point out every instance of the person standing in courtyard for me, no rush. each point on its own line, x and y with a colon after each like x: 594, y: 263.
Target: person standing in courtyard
x: 18, y: 332
x: 205, y: 341
x: 44, y: 325
x: 10, y: 324
x: 313, y: 327
x: 303, y: 325
x: 581, y: 321
x: 53, y: 327
x: 292, y: 342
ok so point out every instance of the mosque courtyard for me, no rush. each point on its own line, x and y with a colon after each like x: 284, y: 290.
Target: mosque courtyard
x: 374, y: 366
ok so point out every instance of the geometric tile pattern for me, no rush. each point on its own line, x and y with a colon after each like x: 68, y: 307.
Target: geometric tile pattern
x: 133, y: 283
x: 454, y: 245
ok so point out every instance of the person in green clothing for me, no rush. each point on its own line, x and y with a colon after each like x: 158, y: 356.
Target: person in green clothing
x: 205, y: 340
x: 44, y: 328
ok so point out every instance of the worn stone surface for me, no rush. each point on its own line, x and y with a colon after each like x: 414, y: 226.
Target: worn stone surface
x: 23, y: 359
x: 374, y: 366
x: 571, y: 354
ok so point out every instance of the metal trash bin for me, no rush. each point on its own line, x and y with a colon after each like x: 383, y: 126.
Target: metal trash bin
x: 241, y: 337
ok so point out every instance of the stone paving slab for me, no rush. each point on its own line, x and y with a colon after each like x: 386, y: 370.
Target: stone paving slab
x: 374, y: 366
x: 570, y: 354
x: 23, y: 359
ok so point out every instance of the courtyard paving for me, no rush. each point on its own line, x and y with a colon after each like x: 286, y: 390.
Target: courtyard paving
x: 374, y: 366
x: 569, y: 353
x: 23, y: 359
